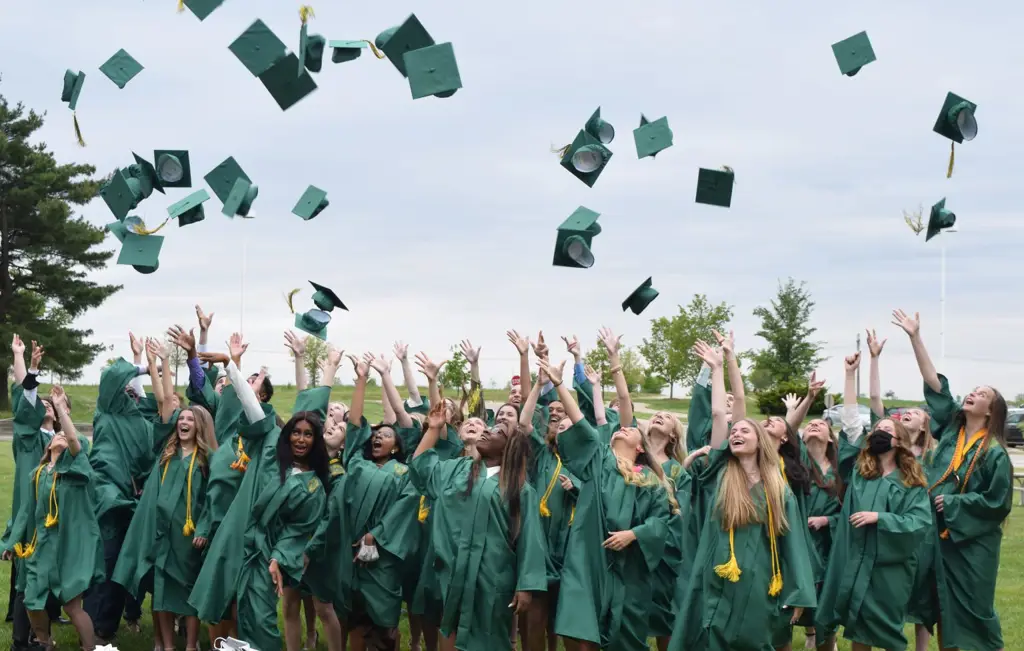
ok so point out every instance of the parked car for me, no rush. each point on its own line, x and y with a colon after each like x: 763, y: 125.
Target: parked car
x: 834, y: 416
x: 1015, y: 427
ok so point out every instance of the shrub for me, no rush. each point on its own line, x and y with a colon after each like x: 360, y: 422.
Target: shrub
x: 769, y: 401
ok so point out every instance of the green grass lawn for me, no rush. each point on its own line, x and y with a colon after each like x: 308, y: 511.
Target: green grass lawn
x: 1009, y: 589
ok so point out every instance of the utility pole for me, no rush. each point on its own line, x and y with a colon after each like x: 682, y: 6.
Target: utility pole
x: 858, y: 366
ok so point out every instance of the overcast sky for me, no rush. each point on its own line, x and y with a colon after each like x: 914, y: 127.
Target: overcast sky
x: 443, y: 212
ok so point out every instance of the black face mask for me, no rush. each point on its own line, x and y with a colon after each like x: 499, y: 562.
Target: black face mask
x: 879, y: 442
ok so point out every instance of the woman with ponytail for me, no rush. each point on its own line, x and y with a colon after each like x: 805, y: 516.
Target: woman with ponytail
x: 161, y: 553
x: 970, y: 484
x: 751, y: 566
x: 870, y: 576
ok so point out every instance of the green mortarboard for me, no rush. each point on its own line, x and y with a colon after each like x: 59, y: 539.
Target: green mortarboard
x: 853, y: 53
x: 572, y: 245
x: 313, y: 322
x: 141, y: 252
x: 130, y: 224
x: 121, y: 68
x: 586, y: 158
x: 600, y: 129
x: 190, y: 209
x: 146, y: 173
x: 396, y: 41
x: 326, y: 299
x: 222, y: 178
x: 172, y: 168
x: 939, y: 219
x: 239, y: 202
x: 652, y: 137
x: 714, y: 187
x: 121, y: 193
x: 258, y: 48
x: 72, y: 88
x: 432, y: 70
x: 956, y: 120
x: 202, y: 8
x: 641, y: 297
x: 311, y: 51
x: 284, y: 86
x: 346, y: 50
x: 117, y: 229
x: 311, y: 203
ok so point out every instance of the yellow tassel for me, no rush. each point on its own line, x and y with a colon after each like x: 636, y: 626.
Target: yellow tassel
x: 181, y: 6
x: 142, y: 230
x: 730, y: 571
x: 305, y: 13
x: 424, y: 510
x: 952, y: 155
x: 53, y: 509
x: 545, y: 512
x: 24, y: 551
x: 572, y: 516
x: 377, y: 53
x: 945, y: 534
x: 290, y: 297
x: 190, y: 527
x: 242, y: 462
x: 78, y: 130
x: 561, y: 151
x: 775, y: 587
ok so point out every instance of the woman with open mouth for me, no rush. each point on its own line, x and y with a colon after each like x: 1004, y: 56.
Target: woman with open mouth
x: 486, y: 533
x: 162, y: 552
x: 56, y: 535
x: 751, y: 565
x: 885, y: 515
x: 970, y: 483
x: 622, y: 500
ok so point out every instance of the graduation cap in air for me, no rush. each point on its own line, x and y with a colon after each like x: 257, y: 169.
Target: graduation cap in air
x: 431, y: 68
x: 121, y: 68
x: 312, y: 202
x: 73, y: 82
x: 233, y: 187
x: 313, y: 322
x: 201, y: 8
x: 853, y: 53
x: 572, y: 244
x: 141, y: 251
x: 146, y: 174
x: 311, y: 46
x: 939, y: 219
x: 173, y: 169
x: 325, y: 299
x: 956, y: 121
x: 714, y: 187
x: 652, y: 137
x: 641, y: 297
x: 342, y: 51
x: 190, y: 209
x: 122, y: 193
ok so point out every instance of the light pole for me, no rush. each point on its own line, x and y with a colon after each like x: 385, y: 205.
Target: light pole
x: 245, y: 255
x: 942, y: 298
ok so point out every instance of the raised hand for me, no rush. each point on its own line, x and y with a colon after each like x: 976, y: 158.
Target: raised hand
x: 708, y: 353
x: 521, y: 343
x: 610, y: 341
x: 213, y: 358
x: 334, y: 355
x: 378, y: 364
x: 236, y: 346
x: 361, y: 368
x: 540, y: 349
x: 910, y: 325
x: 436, y: 416
x: 592, y: 376
x: 17, y: 346
x: 874, y: 346
x: 852, y: 362
x: 137, y: 345
x: 727, y: 344
x: 155, y: 350
x: 296, y: 344
x: 204, y: 320
x: 572, y: 345
x: 791, y: 401
x: 553, y: 372
x: 37, y: 356
x: 428, y: 367
x: 58, y: 397
x: 814, y: 385
x: 184, y: 340
x: 401, y: 351
x: 471, y: 354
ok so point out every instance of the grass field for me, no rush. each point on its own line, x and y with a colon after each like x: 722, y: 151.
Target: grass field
x: 1008, y: 601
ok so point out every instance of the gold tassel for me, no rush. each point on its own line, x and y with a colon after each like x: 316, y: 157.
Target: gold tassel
x: 561, y: 151
x: 181, y: 6
x: 545, y: 512
x: 290, y: 297
x: 424, y: 510
x: 24, y: 551
x: 730, y: 571
x: 190, y: 527
x: 572, y: 516
x: 775, y: 586
x: 142, y: 230
x: 242, y: 462
x: 377, y: 53
x: 305, y: 13
x: 952, y: 155
x: 78, y: 130
x: 53, y: 508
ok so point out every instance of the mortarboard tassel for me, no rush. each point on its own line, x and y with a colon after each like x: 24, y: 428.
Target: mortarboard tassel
x: 561, y: 151
x: 181, y: 6
x: 290, y: 297
x: 952, y: 152
x: 305, y: 13
x: 726, y: 168
x: 377, y: 53
x: 78, y: 130
x: 142, y: 230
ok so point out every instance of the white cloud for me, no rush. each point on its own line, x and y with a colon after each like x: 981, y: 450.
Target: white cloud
x: 442, y: 215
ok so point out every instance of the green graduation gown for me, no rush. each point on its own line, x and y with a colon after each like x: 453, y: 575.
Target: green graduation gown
x: 28, y: 444
x: 325, y: 551
x: 556, y: 505
x: 605, y: 596
x: 156, y: 541
x: 963, y: 566
x: 67, y: 557
x: 479, y: 568
x: 719, y: 615
x: 871, y: 569
x: 665, y: 578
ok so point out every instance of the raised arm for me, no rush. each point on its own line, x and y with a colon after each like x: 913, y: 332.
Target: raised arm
x: 298, y: 348
x: 600, y: 416
x: 355, y: 410
x: 391, y: 394
x: 205, y: 321
x: 554, y: 373
x: 476, y: 406
x: 138, y: 348
x: 435, y: 425
x: 719, y: 411
x: 530, y: 404
x: 851, y: 412
x: 153, y: 354
x: 67, y: 427
x: 18, y: 349
x: 431, y: 370
x: 739, y: 397
x: 408, y: 376
x: 331, y: 365
x: 612, y: 345
x: 875, y: 382
x: 912, y: 326
x: 243, y: 390
x: 187, y: 342
x: 522, y: 345
x: 799, y: 413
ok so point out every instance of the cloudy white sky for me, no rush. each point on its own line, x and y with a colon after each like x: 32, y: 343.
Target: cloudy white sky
x: 443, y: 212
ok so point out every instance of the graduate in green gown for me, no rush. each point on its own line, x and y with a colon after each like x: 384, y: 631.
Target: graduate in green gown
x: 751, y: 566
x: 970, y: 482
x: 618, y: 533
x: 885, y: 514
x: 56, y: 535
x: 162, y: 553
x: 487, y: 540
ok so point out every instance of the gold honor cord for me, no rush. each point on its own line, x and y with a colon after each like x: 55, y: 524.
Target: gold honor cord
x: 78, y: 130
x: 952, y: 156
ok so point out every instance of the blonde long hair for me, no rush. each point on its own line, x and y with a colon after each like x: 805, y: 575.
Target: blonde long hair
x: 206, y: 442
x: 734, y: 504
x: 638, y: 478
